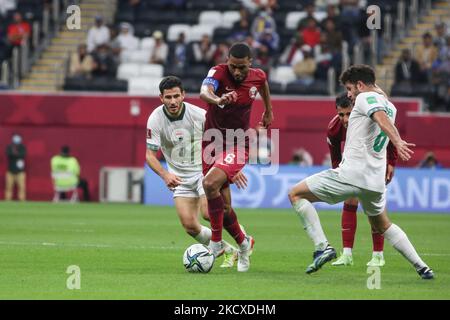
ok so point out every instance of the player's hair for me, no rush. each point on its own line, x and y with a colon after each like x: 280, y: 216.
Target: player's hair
x: 240, y: 51
x: 170, y: 82
x: 343, y: 101
x: 361, y: 72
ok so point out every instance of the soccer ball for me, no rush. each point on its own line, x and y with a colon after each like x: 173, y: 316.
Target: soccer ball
x: 198, y: 258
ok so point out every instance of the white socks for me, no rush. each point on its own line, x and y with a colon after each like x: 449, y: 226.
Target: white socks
x: 204, y: 236
x: 348, y: 251
x: 399, y: 240
x: 311, y: 223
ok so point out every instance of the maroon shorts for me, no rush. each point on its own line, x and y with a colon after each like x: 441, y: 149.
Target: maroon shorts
x: 230, y: 161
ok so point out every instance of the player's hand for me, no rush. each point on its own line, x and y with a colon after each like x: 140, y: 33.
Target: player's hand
x: 267, y: 119
x: 389, y: 173
x: 240, y: 180
x: 404, y: 151
x: 228, y: 98
x: 172, y: 181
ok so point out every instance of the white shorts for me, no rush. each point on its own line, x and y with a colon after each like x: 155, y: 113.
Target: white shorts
x: 191, y: 187
x: 328, y: 187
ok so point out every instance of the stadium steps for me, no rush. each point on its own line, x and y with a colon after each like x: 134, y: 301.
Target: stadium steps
x: 386, y: 70
x: 48, y: 73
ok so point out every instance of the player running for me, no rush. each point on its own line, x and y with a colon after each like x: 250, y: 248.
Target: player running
x: 337, y: 130
x: 361, y: 173
x: 230, y: 90
x: 176, y: 128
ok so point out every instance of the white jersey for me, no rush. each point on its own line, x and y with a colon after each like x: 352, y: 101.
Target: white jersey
x: 180, y: 139
x: 364, y: 159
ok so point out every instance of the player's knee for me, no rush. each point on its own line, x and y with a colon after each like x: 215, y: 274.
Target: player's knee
x: 293, y: 196
x: 209, y: 186
x: 191, y: 227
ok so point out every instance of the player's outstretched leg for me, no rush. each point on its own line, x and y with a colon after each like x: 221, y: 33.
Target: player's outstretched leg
x: 348, y: 223
x: 212, y: 183
x: 187, y: 210
x: 399, y: 240
x: 301, y: 198
x: 231, y: 224
x: 377, y: 254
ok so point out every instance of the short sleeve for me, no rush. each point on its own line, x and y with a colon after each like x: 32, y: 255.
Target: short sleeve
x: 213, y: 78
x: 369, y: 103
x: 153, y: 133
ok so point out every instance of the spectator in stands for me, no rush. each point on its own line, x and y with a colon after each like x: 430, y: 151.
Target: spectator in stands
x: 334, y: 36
x: 350, y: 17
x: 97, y: 35
x: 270, y: 39
x: 310, y: 8
x: 441, y: 34
x: 160, y: 50
x: 293, y: 52
x: 115, y: 44
x: 263, y: 4
x: 332, y: 15
x: 221, y: 54
x: 66, y: 172
x: 15, y: 173
x: 240, y: 31
x: 81, y: 63
x: 407, y: 70
x: 263, y: 21
x: 135, y: 6
x: 178, y: 52
x: 311, y: 33
x: 19, y: 30
x: 126, y: 38
x: 305, y: 69
x: 204, y: 51
x: 302, y: 158
x: 429, y: 162
x: 104, y: 65
x: 263, y: 58
x: 426, y: 54
x: 323, y: 57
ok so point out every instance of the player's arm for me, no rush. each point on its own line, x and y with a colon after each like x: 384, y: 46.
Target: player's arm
x: 267, y: 117
x: 207, y: 94
x: 170, y: 179
x: 392, y: 157
x: 403, y: 147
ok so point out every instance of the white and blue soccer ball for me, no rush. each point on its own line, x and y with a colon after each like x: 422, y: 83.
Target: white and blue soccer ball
x: 198, y: 258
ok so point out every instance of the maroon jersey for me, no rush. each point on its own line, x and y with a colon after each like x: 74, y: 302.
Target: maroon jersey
x: 336, y: 135
x: 236, y: 115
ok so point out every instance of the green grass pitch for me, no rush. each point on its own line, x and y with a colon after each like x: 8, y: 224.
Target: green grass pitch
x: 135, y: 252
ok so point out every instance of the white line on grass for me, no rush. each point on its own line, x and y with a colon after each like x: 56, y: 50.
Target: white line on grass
x: 84, y: 245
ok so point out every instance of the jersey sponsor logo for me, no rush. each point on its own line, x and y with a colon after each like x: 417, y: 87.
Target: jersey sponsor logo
x: 371, y: 100
x: 149, y: 133
x: 252, y: 92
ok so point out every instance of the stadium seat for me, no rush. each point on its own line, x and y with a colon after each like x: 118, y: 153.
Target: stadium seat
x: 293, y: 18
x: 283, y: 74
x: 320, y: 15
x: 139, y: 56
x: 197, y: 31
x: 229, y: 18
x: 144, y: 86
x: 210, y: 18
x: 276, y: 87
x: 151, y: 70
x: 175, y: 30
x: 127, y: 71
x: 147, y: 43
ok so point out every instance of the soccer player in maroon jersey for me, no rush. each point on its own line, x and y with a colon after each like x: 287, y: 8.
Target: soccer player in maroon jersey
x: 230, y: 90
x: 336, y: 133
